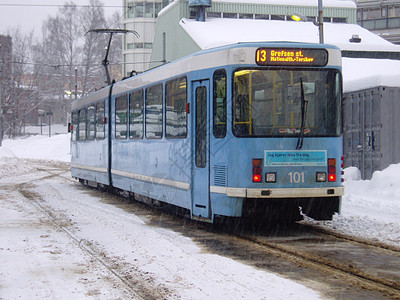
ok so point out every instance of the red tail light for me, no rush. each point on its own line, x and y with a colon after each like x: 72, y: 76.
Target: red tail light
x: 257, y: 177
x: 331, y: 169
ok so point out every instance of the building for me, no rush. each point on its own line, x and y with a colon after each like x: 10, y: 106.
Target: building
x: 155, y: 46
x: 142, y: 17
x: 381, y: 17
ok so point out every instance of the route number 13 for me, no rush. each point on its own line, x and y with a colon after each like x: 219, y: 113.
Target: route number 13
x: 296, y: 177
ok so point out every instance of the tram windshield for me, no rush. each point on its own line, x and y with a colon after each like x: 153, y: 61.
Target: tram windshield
x: 286, y: 103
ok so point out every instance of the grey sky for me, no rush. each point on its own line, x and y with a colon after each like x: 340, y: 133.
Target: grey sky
x: 31, y: 13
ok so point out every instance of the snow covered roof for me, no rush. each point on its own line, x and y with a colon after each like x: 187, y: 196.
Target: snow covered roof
x: 357, y: 73
x: 219, y: 32
x: 360, y: 73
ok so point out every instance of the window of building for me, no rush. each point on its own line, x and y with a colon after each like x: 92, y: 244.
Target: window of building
x: 136, y: 114
x: 245, y: 16
x: 211, y: 14
x: 139, y: 10
x: 157, y: 8
x: 261, y: 17
x: 149, y: 10
x: 311, y: 19
x: 359, y: 14
x: 129, y: 46
x: 148, y: 45
x: 175, y: 101
x: 82, y: 125
x: 121, y: 117
x: 229, y: 15
x: 372, y: 13
x: 339, y: 20
x: 397, y: 11
x: 90, y: 123
x: 139, y: 45
x: 278, y: 17
x: 100, y: 119
x: 219, y: 107
x: 154, y: 111
x: 130, y: 9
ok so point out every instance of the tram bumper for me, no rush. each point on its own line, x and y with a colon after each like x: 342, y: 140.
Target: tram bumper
x: 279, y: 193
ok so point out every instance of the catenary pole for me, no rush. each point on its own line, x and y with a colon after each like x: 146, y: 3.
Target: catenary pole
x: 321, y: 21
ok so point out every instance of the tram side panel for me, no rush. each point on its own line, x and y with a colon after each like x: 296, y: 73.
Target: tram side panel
x: 154, y: 163
x: 89, y: 144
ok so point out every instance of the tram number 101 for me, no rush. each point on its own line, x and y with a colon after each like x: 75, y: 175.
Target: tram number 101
x: 296, y: 177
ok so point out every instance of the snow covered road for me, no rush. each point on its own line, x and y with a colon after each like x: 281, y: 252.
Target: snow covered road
x: 59, y: 241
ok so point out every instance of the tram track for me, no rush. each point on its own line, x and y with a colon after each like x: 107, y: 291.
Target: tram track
x: 302, y: 251
x: 356, y: 273
x: 136, y: 290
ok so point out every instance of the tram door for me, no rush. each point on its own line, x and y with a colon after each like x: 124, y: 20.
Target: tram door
x: 201, y: 160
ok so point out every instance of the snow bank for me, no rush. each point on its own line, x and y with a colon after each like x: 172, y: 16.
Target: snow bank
x: 56, y: 147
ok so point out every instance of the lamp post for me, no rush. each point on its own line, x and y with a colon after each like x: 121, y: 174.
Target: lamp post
x: 41, y: 114
x: 320, y: 23
x: 49, y: 113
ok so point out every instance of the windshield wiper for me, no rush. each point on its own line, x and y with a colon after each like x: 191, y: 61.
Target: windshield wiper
x: 303, y: 116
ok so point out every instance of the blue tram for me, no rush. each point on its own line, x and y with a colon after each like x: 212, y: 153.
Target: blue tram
x: 239, y: 130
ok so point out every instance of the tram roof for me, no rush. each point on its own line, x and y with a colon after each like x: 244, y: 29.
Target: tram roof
x: 219, y: 32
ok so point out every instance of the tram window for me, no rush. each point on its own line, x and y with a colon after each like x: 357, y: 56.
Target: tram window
x: 121, y: 117
x: 82, y: 125
x: 201, y: 127
x: 74, y: 128
x: 219, y: 107
x: 154, y: 111
x: 90, y: 123
x: 280, y: 102
x: 100, y: 126
x: 175, y: 101
x: 136, y: 114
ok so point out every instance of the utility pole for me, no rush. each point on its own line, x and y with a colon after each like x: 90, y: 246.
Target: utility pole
x: 321, y: 21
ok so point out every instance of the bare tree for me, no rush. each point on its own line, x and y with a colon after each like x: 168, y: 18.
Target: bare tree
x: 20, y: 97
x: 43, y: 72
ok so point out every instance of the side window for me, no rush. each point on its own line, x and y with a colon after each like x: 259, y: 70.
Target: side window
x: 201, y: 127
x: 90, y: 123
x: 82, y: 125
x: 136, y: 114
x: 100, y: 115
x: 121, y: 117
x: 74, y: 128
x: 175, y: 101
x: 154, y: 111
x: 219, y: 105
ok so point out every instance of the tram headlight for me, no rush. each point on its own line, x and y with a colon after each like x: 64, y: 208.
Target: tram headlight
x: 321, y: 177
x: 270, y: 177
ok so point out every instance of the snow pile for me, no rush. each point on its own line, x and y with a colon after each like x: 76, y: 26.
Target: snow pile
x: 370, y: 208
x: 56, y: 147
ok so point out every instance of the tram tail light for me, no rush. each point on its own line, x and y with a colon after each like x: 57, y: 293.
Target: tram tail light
x: 331, y: 169
x: 257, y: 170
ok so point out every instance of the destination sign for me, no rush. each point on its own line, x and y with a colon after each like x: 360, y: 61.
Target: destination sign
x: 291, y: 57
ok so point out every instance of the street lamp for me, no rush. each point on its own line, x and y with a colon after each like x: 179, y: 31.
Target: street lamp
x: 298, y: 17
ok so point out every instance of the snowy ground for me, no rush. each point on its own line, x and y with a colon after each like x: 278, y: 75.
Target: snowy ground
x: 43, y: 260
